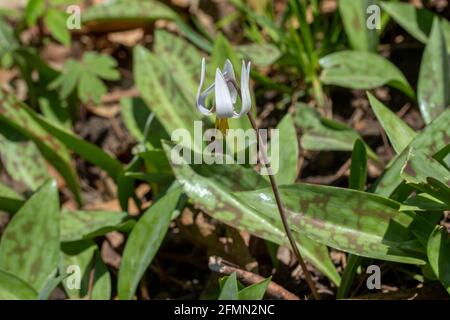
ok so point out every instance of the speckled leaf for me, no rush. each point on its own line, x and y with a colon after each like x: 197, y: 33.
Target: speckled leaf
x: 416, y: 21
x: 433, y: 89
x: 353, y: 221
x: 14, y: 113
x: 143, y: 243
x: 288, y: 151
x: 211, y: 187
x: 158, y: 88
x: 362, y: 70
x: 438, y: 250
x: 431, y: 140
x: 427, y: 175
x: 14, y: 288
x: 22, y: 159
x: 399, y: 133
x: 354, y: 17
x: 10, y: 201
x: 80, y: 225
x: 260, y: 54
x: 34, y: 227
x: 183, y: 59
x: 321, y: 134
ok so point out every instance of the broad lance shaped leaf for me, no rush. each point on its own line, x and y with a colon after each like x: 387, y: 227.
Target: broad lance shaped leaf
x: 230, y: 288
x: 431, y: 140
x: 164, y: 98
x: 183, y: 59
x: 416, y: 21
x: 260, y: 54
x: 144, y: 242
x: 255, y: 291
x: 34, y: 227
x: 319, y: 133
x: 353, y: 221
x: 433, y: 89
x: 211, y: 187
x: 354, y: 17
x: 399, y: 133
x: 438, y: 250
x: 79, y: 225
x: 427, y: 175
x: 14, y: 288
x: 15, y: 114
x: 362, y: 70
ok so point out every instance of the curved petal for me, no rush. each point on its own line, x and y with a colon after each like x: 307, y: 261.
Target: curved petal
x: 224, y: 104
x: 245, y: 91
x: 201, y: 96
x: 228, y: 74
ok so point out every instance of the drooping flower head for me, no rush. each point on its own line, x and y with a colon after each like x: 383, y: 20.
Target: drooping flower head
x: 225, y: 94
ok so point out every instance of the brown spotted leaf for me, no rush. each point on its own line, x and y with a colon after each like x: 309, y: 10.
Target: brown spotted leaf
x: 33, y: 230
x: 353, y: 221
x: 211, y: 187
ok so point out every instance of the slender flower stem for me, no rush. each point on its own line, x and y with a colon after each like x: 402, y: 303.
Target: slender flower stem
x: 276, y: 192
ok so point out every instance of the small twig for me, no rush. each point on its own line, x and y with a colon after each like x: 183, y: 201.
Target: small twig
x: 274, y: 290
x: 276, y: 192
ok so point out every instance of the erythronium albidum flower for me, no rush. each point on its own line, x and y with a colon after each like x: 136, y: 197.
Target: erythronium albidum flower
x: 225, y: 94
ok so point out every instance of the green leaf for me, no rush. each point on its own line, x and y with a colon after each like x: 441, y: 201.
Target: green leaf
x: 353, y: 14
x: 433, y: 89
x: 16, y: 115
x: 431, y: 140
x: 321, y: 134
x: 353, y: 263
x: 353, y: 221
x: 144, y: 242
x: 399, y: 133
x: 260, y: 54
x: 427, y: 175
x: 14, y: 288
x: 135, y: 115
x: 51, y: 284
x: 22, y: 159
x: 211, y: 188
x: 438, y: 250
x: 34, y: 227
x: 8, y: 41
x: 79, y: 225
x: 288, y: 151
x: 165, y: 99
x: 416, y: 21
x: 255, y: 291
x: 55, y: 21
x: 230, y: 288
x: 184, y: 61
x: 10, y: 201
x: 102, y: 280
x: 424, y: 202
x: 362, y: 70
x: 358, y: 168
x: 33, y: 11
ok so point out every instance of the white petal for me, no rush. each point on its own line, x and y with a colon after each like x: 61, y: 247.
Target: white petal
x: 201, y: 96
x: 228, y: 74
x: 224, y: 104
x: 245, y: 91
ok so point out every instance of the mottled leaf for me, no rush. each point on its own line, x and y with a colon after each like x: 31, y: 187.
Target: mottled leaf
x: 144, y: 242
x: 260, y: 54
x: 211, y: 187
x: 14, y: 288
x: 354, y: 17
x: 399, y: 133
x: 433, y: 89
x: 78, y: 225
x: 34, y: 227
x: 353, y: 221
x: 431, y: 140
x: 362, y: 70
x: 438, y: 250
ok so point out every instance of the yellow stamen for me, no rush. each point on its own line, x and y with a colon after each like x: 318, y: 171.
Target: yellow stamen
x: 222, y: 125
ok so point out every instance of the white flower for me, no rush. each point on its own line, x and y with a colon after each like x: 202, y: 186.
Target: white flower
x: 225, y: 92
